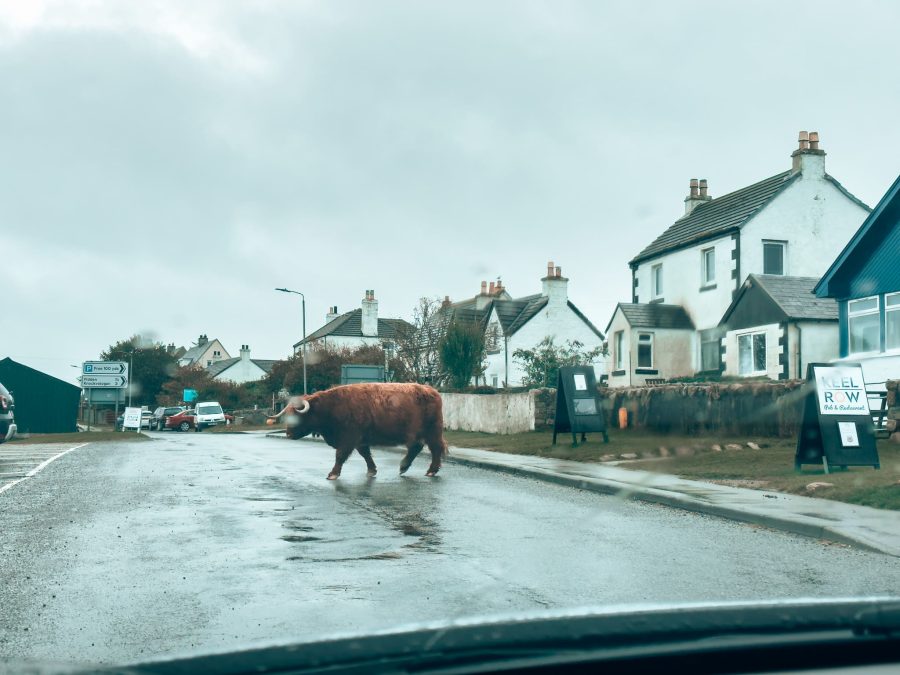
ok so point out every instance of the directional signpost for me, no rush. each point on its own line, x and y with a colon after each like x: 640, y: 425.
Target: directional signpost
x: 105, y: 376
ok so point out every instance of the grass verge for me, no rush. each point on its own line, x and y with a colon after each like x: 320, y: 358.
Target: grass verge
x: 771, y: 467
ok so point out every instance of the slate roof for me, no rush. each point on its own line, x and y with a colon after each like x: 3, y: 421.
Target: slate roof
x: 195, y: 352
x: 717, y: 216
x: 655, y: 315
x: 512, y: 314
x: 220, y: 367
x: 349, y: 324
x: 794, y: 295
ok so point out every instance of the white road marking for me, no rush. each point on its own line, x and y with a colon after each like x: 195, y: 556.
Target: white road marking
x: 40, y: 467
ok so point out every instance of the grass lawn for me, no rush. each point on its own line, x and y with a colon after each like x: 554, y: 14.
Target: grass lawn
x: 80, y: 437
x: 769, y: 468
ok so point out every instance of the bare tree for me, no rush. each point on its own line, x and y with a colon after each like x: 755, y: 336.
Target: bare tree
x: 418, y: 344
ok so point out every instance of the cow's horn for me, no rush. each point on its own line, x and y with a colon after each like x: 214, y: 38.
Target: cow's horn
x: 304, y: 407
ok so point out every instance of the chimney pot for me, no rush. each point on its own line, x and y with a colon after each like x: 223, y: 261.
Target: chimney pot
x: 695, y: 186
x: 491, y: 288
x: 704, y: 187
x: 559, y: 271
x: 484, y: 288
x: 813, y: 140
x: 550, y: 269
x: 804, y: 140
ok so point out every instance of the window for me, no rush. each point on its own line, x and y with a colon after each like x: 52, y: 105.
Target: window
x: 618, y: 342
x: 752, y: 354
x: 710, y: 349
x: 773, y: 257
x: 864, y: 325
x: 656, y: 281
x: 645, y: 350
x: 708, y: 266
x: 892, y: 321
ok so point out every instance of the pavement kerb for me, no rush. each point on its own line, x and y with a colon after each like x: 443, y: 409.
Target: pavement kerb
x: 808, y: 525
x: 675, y: 500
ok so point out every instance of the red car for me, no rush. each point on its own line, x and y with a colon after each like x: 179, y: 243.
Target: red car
x: 183, y: 421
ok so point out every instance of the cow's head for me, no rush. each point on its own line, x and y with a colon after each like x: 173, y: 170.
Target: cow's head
x: 296, y: 417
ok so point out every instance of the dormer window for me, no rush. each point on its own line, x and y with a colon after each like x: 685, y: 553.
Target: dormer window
x: 773, y: 257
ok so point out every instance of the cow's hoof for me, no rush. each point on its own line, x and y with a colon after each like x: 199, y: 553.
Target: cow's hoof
x: 431, y: 474
x: 403, y: 470
x: 333, y: 476
x: 371, y: 474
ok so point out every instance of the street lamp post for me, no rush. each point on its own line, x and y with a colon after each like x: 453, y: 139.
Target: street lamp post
x: 303, y: 298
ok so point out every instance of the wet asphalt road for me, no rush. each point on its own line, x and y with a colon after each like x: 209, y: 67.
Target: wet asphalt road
x: 117, y: 553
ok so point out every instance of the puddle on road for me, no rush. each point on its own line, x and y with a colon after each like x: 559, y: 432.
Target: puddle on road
x: 300, y: 538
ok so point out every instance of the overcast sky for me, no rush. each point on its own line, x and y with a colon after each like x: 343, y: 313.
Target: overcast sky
x: 166, y: 164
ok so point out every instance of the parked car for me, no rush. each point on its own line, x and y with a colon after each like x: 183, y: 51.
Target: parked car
x: 209, y: 414
x: 183, y: 421
x: 161, y: 413
x: 7, y: 419
x: 146, y: 418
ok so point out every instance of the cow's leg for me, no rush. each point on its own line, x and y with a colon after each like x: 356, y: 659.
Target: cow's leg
x: 340, y: 456
x: 412, y: 451
x: 366, y: 453
x: 438, y: 449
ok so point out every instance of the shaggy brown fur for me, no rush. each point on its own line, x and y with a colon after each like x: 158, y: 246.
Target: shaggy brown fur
x: 357, y: 416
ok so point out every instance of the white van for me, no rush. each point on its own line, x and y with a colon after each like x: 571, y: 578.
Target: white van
x: 208, y: 414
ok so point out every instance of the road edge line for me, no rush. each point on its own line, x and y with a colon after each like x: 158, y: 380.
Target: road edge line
x: 43, y: 465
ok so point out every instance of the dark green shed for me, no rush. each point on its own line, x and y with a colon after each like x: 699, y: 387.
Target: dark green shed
x: 44, y: 404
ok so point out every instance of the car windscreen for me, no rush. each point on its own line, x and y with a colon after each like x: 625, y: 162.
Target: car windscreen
x: 209, y: 410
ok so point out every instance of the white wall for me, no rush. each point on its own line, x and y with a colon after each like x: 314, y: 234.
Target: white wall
x: 555, y: 319
x: 682, y: 281
x: 819, y: 343
x: 877, y: 368
x: 242, y: 371
x: 489, y: 413
x: 341, y: 341
x: 673, y: 353
x: 816, y: 219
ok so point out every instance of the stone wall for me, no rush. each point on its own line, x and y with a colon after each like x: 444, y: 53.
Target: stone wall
x: 758, y: 408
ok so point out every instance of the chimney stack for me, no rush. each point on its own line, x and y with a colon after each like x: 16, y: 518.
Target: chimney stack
x: 698, y: 194
x: 245, y: 352
x: 808, y: 159
x: 483, y: 288
x: 555, y: 286
x: 446, y: 303
x: 370, y: 315
x: 332, y: 314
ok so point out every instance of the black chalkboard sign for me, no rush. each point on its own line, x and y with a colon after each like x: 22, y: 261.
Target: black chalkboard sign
x: 579, y: 408
x: 837, y: 427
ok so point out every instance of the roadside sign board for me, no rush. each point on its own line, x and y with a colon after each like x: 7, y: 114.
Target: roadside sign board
x: 104, y: 368
x: 837, y: 428
x: 189, y: 395
x: 105, y: 396
x: 579, y: 408
x: 351, y: 374
x: 132, y: 418
x: 97, y: 381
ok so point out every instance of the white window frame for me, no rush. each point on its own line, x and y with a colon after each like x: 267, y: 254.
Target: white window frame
x: 618, y: 349
x: 656, y: 280
x: 876, y: 311
x: 784, y: 265
x: 754, y: 372
x: 707, y: 279
x: 652, y: 350
x: 889, y: 309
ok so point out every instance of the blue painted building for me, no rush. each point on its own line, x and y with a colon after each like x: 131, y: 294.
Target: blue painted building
x: 865, y: 280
